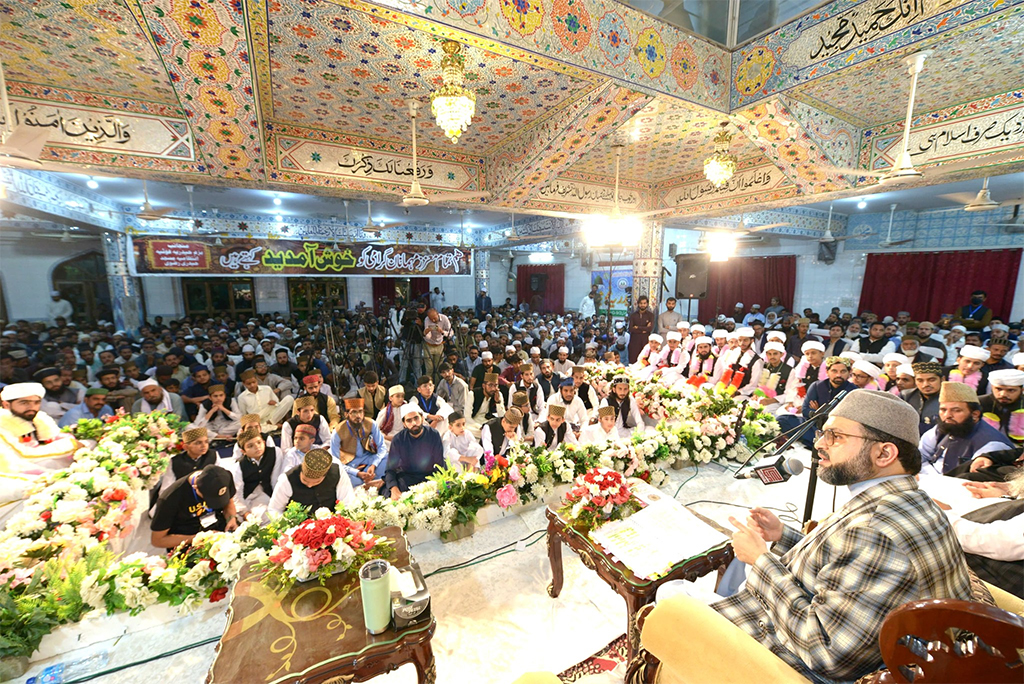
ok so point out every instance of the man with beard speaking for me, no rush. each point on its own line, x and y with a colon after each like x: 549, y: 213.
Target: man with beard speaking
x: 961, y: 444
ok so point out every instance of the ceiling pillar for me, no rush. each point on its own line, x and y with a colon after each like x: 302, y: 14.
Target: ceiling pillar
x: 125, y: 302
x: 647, y: 264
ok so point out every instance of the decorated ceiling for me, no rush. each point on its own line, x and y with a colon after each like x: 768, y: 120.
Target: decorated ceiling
x: 311, y: 96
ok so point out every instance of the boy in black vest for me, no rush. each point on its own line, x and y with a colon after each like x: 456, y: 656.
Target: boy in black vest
x: 554, y: 431
x: 317, y: 483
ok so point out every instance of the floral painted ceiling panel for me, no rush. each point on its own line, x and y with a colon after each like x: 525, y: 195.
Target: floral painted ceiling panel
x: 665, y: 140
x: 982, y: 59
x: 87, y: 45
x: 339, y: 69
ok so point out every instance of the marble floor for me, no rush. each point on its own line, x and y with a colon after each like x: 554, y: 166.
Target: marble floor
x: 495, y: 619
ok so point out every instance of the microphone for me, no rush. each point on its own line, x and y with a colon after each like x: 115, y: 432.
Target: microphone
x: 774, y: 473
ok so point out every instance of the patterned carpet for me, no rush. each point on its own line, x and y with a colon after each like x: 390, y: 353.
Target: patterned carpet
x: 605, y: 660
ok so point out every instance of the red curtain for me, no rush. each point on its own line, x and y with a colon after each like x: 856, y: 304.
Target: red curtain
x: 383, y: 289
x: 542, y: 287
x: 751, y: 280
x: 928, y: 284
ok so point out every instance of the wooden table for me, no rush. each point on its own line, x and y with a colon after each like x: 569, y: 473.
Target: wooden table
x: 315, y: 634
x: 636, y: 591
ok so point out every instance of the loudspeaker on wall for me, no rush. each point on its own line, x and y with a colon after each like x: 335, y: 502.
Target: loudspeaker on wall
x: 692, y: 276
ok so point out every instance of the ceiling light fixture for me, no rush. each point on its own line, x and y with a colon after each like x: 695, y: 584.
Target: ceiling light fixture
x: 720, y: 166
x: 720, y: 246
x: 277, y: 201
x: 92, y: 184
x: 862, y: 204
x: 452, y: 104
x: 614, y: 229
x: 280, y: 219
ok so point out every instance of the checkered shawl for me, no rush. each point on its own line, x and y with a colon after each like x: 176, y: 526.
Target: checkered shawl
x: 818, y: 601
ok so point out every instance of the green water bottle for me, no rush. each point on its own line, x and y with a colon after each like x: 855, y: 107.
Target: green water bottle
x: 375, y: 589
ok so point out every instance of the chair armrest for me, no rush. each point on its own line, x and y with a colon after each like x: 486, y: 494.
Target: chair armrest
x: 1006, y: 600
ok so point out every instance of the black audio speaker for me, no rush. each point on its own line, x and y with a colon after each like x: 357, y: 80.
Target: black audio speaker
x: 692, y: 276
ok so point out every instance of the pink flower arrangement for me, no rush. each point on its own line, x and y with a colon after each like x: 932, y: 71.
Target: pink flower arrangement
x: 597, y: 496
x: 507, y: 496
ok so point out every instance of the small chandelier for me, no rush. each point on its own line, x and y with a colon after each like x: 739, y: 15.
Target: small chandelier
x: 720, y: 166
x: 452, y: 105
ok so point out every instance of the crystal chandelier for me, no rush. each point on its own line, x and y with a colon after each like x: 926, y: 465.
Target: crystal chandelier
x: 452, y: 105
x: 720, y: 166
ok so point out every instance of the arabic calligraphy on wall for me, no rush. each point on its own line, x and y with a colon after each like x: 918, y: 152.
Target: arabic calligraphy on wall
x: 331, y: 159
x: 202, y: 256
x: 862, y: 24
x: 983, y: 133
x: 94, y: 129
x: 563, y: 191
x: 748, y: 182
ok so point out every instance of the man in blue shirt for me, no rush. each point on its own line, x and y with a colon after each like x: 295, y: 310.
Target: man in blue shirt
x: 962, y: 444
x: 483, y: 304
x: 94, y: 406
x: 359, y: 445
x: 415, y: 452
x: 820, y: 394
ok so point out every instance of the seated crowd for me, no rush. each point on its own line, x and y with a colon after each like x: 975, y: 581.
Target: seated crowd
x: 279, y: 410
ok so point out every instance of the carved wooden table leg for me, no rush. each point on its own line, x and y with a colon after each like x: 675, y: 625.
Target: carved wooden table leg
x: 426, y: 668
x: 555, y: 559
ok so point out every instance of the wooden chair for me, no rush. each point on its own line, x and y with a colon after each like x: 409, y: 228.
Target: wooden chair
x: 952, y: 641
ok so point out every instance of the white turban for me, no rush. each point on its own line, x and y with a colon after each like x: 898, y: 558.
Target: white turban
x: 1006, y: 378
x: 704, y: 340
x: 673, y: 335
x: 655, y: 337
x: 867, y: 367
x: 698, y: 328
x: 22, y: 390
x: 895, y: 357
x: 905, y: 369
x: 487, y: 355
x: 719, y: 333
x: 972, y: 352
x: 812, y: 344
x: 774, y: 346
x: 148, y: 383
x: 745, y: 332
x: 776, y: 335
x: 409, y: 408
x: 563, y: 350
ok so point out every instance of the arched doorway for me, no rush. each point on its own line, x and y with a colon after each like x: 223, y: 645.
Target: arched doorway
x: 82, y: 280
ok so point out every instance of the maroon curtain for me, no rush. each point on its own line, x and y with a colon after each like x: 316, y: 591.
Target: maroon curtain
x: 419, y: 287
x: 751, y: 280
x: 542, y: 287
x: 383, y: 289
x: 928, y: 284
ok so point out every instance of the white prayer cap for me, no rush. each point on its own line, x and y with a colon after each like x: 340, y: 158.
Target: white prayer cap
x: 895, y: 357
x: 148, y: 383
x: 972, y: 352
x: 483, y: 344
x: 905, y: 369
x: 739, y: 305
x: 958, y: 327
x: 774, y: 346
x: 515, y: 342
x: 22, y: 390
x: 776, y: 335
x: 682, y: 325
x: 655, y: 337
x: 121, y: 333
x: 888, y: 319
x: 509, y: 349
x: 867, y: 367
x: 698, y: 328
x: 755, y: 306
x: 1001, y: 326
x: 745, y: 332
x: 719, y: 333
x: 732, y: 335
x: 248, y: 348
x: 1018, y: 359
x: 534, y: 350
x: 1006, y: 378
x: 487, y: 355
x: 396, y: 389
x: 10, y: 333
x: 673, y: 335
x: 853, y: 356
x: 592, y: 345
x: 411, y: 407
x: 563, y: 350
x: 812, y: 344
x: 191, y: 349
x: 704, y: 340
x: 618, y: 325
x: 55, y: 293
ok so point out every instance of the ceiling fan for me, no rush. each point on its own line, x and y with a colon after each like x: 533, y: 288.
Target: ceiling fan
x: 20, y: 146
x: 982, y: 201
x: 370, y: 226
x: 742, y: 228
x: 903, y: 170
x: 148, y: 213
x: 415, y: 197
x: 889, y: 242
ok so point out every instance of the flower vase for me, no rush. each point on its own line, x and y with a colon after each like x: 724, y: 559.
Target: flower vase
x: 12, y: 667
x: 679, y: 464
x: 460, y: 531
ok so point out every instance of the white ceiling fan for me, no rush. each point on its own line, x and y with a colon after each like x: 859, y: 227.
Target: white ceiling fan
x: 982, y: 201
x: 20, y: 146
x: 416, y: 197
x: 889, y: 242
x: 903, y: 170
x: 370, y: 226
x: 149, y: 213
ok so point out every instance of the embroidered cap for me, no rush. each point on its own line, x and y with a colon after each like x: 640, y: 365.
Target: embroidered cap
x: 305, y: 429
x: 305, y: 400
x: 247, y: 434
x: 606, y: 411
x: 556, y: 410
x: 881, y: 411
x: 520, y: 399
x: 194, y: 434
x: 956, y: 392
x: 316, y: 463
